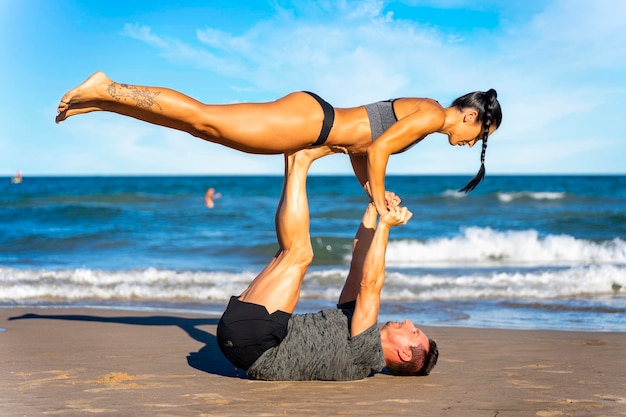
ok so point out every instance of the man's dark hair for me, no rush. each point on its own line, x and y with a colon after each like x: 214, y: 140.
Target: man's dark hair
x: 421, y: 363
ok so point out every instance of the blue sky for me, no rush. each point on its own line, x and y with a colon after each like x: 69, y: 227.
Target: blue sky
x: 559, y: 67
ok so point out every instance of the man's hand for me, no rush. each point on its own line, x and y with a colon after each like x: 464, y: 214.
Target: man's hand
x: 396, y: 216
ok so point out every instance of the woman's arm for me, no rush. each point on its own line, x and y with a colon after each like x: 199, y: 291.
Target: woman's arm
x: 359, y: 166
x: 404, y: 132
x: 376, y: 169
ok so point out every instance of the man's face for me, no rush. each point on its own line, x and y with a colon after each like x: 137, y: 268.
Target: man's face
x: 405, y: 333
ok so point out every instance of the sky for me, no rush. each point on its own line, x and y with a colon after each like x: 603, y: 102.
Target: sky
x: 559, y: 67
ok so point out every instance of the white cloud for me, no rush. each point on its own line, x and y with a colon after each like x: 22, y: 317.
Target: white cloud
x: 180, y: 52
x: 284, y: 53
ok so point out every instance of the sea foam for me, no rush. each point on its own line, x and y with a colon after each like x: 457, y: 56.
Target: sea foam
x: 477, y: 246
x: 151, y: 284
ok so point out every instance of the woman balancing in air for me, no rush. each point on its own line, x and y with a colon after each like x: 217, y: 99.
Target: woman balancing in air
x: 369, y: 134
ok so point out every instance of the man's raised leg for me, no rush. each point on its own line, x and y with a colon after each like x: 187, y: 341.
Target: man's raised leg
x: 277, y: 287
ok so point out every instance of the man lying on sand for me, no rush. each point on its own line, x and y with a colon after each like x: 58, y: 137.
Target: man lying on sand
x: 259, y: 333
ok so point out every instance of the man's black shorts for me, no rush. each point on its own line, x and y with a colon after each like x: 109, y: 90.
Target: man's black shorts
x: 247, y: 330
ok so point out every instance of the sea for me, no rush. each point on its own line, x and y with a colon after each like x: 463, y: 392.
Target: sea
x: 519, y: 252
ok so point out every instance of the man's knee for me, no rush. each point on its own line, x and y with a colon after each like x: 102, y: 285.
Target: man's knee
x: 306, y: 256
x: 302, y: 255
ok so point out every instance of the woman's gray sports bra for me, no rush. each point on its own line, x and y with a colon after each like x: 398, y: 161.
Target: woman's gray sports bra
x: 382, y: 115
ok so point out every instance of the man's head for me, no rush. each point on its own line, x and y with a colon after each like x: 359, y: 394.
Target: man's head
x: 407, y: 350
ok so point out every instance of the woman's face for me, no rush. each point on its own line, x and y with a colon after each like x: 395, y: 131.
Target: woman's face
x: 468, y: 131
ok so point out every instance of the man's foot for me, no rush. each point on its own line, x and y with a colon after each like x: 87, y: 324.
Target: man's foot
x: 338, y: 149
x: 308, y: 155
x: 81, y: 99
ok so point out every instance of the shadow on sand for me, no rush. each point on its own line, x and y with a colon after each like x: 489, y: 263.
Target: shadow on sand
x: 208, y: 359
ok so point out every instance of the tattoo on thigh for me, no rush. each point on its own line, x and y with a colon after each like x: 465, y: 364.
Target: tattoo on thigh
x: 142, y: 96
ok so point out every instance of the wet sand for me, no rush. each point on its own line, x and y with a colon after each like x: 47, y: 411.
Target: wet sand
x: 79, y: 362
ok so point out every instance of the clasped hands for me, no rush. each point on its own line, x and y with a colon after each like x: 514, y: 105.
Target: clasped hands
x: 395, y: 215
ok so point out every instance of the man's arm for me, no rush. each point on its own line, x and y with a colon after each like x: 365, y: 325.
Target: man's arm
x: 373, y: 273
x: 362, y: 242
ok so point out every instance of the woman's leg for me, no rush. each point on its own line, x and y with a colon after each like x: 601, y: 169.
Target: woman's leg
x: 290, y: 123
x: 277, y: 287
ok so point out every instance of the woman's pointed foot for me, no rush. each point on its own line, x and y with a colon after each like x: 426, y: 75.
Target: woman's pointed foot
x: 81, y: 99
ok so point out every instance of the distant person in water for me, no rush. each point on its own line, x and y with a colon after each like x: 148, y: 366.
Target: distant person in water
x: 260, y: 334
x: 17, y: 179
x: 368, y: 133
x: 210, y: 196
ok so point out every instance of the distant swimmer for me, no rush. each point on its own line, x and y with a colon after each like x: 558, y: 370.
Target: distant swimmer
x: 210, y: 196
x: 17, y: 178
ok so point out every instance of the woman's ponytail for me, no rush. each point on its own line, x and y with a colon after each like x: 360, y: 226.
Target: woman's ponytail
x: 490, y: 113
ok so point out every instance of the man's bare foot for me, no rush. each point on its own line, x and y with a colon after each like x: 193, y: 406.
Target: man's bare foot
x: 338, y: 149
x: 82, y: 99
x: 311, y: 154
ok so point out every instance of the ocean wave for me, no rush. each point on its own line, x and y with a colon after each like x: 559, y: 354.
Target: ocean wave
x: 507, y: 197
x: 536, y: 284
x: 454, y: 194
x: 478, y: 246
x: 148, y: 285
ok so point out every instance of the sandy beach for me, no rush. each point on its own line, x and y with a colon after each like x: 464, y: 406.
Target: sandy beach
x: 77, y: 362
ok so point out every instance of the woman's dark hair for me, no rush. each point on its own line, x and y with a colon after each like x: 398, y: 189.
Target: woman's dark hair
x: 489, y: 114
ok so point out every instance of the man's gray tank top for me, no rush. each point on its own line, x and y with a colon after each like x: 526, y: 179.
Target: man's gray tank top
x: 318, y: 346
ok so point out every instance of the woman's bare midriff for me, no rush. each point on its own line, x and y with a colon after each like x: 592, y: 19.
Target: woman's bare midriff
x: 351, y: 130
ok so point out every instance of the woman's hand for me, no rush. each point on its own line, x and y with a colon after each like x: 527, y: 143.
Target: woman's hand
x: 392, y: 200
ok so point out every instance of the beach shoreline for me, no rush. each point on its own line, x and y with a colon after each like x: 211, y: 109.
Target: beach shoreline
x: 74, y: 362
